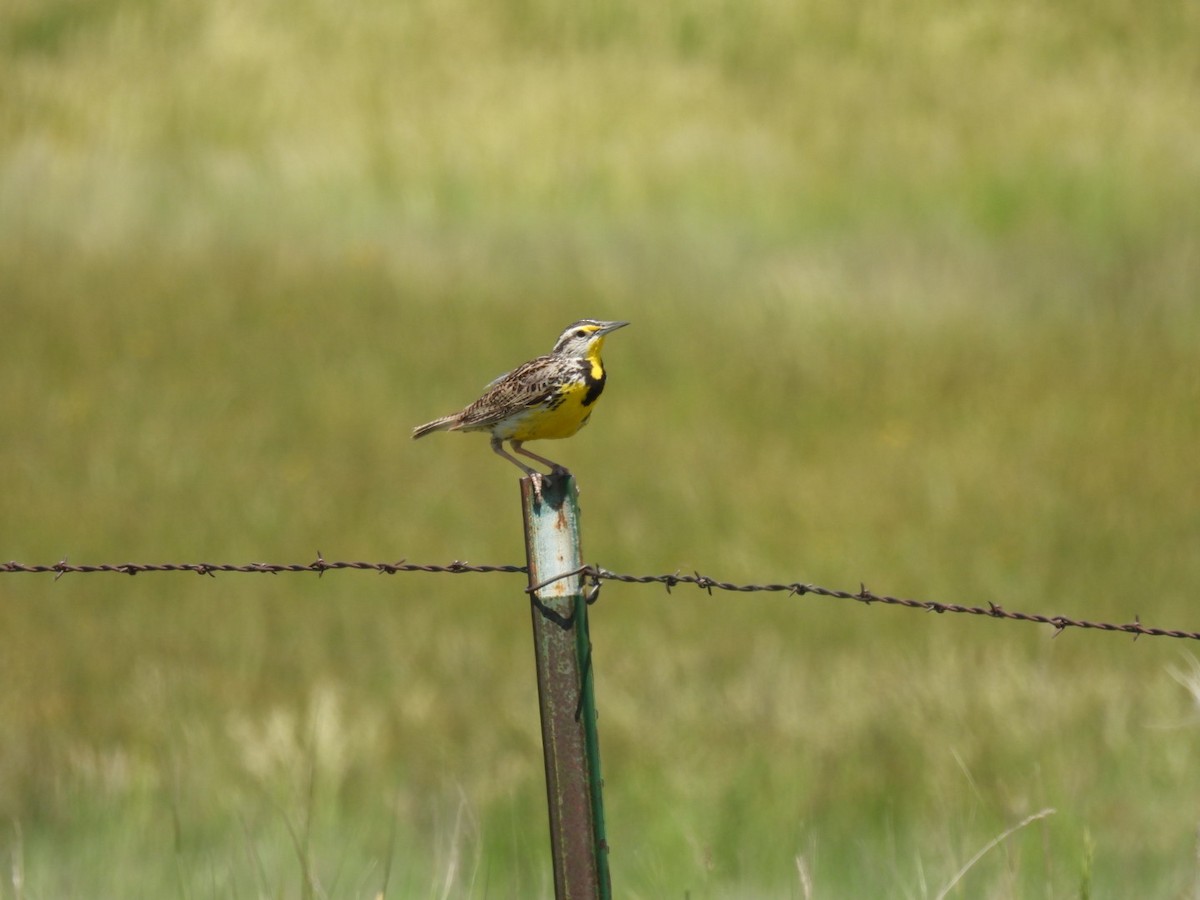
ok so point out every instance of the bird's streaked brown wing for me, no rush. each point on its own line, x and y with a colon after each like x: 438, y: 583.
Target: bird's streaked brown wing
x: 526, y: 386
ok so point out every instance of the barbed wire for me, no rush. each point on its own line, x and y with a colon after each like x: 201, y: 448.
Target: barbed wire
x: 596, y: 575
x: 319, y: 566
x: 991, y: 611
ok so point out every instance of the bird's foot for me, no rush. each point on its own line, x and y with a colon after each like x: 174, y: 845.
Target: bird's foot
x: 540, y: 479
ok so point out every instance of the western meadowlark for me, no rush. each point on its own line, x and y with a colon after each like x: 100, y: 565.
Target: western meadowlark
x: 548, y: 397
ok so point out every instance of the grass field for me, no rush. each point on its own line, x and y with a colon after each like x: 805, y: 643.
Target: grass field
x: 914, y: 292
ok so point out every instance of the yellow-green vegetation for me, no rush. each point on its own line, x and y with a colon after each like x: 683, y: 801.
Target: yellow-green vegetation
x: 915, y: 292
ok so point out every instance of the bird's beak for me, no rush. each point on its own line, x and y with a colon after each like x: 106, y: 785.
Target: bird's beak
x: 609, y: 326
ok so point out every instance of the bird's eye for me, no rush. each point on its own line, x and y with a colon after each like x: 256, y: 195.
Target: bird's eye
x: 580, y: 333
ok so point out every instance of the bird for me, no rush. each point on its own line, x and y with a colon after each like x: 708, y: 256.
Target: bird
x: 551, y: 396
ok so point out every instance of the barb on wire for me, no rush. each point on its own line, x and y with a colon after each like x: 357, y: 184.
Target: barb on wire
x: 596, y: 575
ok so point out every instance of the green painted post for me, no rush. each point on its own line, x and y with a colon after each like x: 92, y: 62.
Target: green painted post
x: 562, y: 649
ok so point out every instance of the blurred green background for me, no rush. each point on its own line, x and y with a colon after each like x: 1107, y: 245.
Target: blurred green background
x: 914, y: 291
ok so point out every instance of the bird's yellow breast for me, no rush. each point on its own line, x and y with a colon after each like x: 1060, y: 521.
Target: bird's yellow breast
x: 564, y: 415
x: 565, y: 411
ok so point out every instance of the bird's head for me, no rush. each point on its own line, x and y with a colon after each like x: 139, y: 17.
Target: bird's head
x: 583, y: 339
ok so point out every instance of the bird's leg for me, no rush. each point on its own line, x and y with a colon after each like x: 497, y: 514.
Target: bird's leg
x: 534, y: 475
x: 555, y: 468
x: 498, y: 447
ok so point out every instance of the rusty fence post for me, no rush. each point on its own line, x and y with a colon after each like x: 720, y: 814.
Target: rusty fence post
x: 562, y: 649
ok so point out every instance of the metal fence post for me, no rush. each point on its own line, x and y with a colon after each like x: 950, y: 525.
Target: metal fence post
x: 562, y: 650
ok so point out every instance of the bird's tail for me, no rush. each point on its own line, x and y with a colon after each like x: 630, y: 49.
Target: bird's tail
x: 445, y: 423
